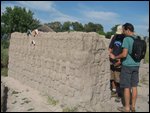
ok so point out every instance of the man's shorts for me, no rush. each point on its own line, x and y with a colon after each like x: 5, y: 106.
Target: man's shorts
x: 129, y: 76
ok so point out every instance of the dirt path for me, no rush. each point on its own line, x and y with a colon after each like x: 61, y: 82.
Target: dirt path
x: 142, y: 104
x: 22, y: 98
x: 26, y: 99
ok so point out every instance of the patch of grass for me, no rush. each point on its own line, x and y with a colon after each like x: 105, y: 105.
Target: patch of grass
x: 52, y: 101
x: 30, y: 109
x: 4, y: 57
x: 147, y: 56
x: 27, y: 101
x: 14, y: 102
x: 14, y: 92
x: 4, y: 61
x: 144, y: 81
x: 139, y: 85
x: 67, y: 109
x: 24, y: 98
x: 4, y: 72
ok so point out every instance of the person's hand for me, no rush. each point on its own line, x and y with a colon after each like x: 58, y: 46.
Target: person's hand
x: 118, y: 63
x: 112, y: 56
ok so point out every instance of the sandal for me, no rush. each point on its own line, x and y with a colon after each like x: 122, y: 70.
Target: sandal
x: 122, y: 109
x: 133, y: 109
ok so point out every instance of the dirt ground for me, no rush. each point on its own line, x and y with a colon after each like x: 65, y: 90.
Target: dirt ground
x: 22, y: 98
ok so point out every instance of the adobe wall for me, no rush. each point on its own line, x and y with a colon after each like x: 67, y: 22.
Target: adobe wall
x: 71, y: 67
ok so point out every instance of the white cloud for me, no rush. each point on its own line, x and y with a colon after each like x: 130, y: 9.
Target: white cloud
x: 59, y: 16
x: 48, y: 6
x: 142, y: 27
x: 103, y: 16
x: 145, y: 19
x: 65, y: 18
x: 100, y: 15
x: 38, y: 5
x: 107, y: 19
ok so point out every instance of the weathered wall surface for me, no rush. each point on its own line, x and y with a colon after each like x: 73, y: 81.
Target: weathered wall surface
x: 71, y: 67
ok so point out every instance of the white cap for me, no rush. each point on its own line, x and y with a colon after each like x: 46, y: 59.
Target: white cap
x: 119, y: 29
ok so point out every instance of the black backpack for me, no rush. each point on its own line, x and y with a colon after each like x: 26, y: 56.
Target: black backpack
x: 138, y: 49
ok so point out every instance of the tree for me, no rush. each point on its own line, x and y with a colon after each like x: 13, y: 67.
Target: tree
x: 18, y: 19
x: 108, y: 35
x: 112, y: 32
x: 56, y: 26
x: 91, y: 27
x: 114, y: 29
x: 77, y: 26
x: 99, y: 29
x: 66, y: 26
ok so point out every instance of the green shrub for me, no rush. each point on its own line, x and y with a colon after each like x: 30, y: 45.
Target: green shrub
x: 4, y: 57
x: 4, y: 71
x: 67, y: 109
x: 52, y: 101
x: 147, y: 55
x: 5, y: 43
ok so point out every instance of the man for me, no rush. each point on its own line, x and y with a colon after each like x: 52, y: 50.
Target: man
x: 129, y: 71
x: 115, y: 47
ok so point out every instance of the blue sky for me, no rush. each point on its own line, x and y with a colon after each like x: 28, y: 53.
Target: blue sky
x: 106, y: 13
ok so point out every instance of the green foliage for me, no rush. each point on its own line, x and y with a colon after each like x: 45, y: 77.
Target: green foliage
x: 108, y: 35
x: 67, y: 109
x: 77, y: 26
x: 4, y: 71
x: 91, y: 27
x: 14, y: 92
x: 56, y: 26
x: 52, y: 101
x: 14, y: 102
x: 5, y: 43
x: 147, y: 55
x: 112, y: 32
x: 101, y: 32
x: 30, y: 109
x: 4, y: 57
x: 114, y: 29
x: 66, y: 26
x: 17, y: 19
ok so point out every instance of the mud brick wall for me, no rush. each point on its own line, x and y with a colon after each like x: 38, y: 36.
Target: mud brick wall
x: 71, y: 67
